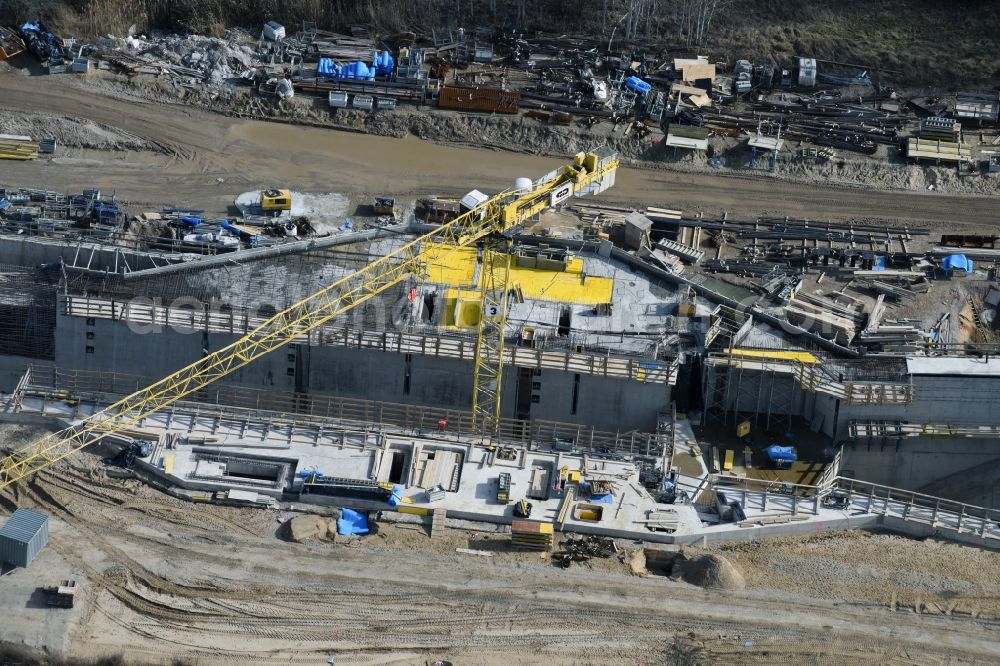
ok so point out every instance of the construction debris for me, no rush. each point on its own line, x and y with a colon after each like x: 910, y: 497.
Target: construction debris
x: 582, y: 548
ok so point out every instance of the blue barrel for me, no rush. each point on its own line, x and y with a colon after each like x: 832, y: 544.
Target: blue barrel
x: 638, y: 85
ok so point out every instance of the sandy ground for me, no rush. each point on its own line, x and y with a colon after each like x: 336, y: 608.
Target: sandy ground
x: 165, y: 579
x: 191, y: 149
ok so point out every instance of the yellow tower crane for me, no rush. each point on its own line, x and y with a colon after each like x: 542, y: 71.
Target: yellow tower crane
x: 589, y: 173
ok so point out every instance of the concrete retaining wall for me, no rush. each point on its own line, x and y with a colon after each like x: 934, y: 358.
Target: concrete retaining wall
x: 106, y: 345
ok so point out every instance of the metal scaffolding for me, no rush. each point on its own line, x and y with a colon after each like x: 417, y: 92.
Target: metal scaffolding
x: 27, y: 312
x: 765, y: 396
x: 766, y: 383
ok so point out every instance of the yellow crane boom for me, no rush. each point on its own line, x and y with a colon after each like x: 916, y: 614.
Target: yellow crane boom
x: 588, y: 173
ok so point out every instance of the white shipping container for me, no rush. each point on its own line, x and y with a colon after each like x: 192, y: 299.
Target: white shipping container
x: 274, y: 31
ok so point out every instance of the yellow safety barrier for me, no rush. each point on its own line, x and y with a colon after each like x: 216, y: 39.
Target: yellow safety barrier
x: 776, y: 355
x: 413, y: 510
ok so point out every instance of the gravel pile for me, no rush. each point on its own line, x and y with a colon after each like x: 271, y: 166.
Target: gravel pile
x: 875, y: 568
x: 70, y: 131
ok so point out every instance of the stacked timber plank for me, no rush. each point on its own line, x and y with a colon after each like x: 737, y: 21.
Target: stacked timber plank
x: 935, y: 149
x: 18, y: 150
x: 342, y: 47
x: 531, y: 535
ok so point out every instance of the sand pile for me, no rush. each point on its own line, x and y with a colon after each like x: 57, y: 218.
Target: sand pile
x: 709, y: 570
x: 303, y: 528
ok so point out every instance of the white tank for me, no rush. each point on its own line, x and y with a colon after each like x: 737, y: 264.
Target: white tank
x: 523, y: 184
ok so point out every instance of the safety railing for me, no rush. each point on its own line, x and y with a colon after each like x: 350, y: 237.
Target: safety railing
x: 101, y: 388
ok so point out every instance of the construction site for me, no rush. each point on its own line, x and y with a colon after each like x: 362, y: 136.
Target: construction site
x: 276, y: 393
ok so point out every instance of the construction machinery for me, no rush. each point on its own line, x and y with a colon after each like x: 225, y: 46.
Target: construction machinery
x: 273, y: 202
x: 503, y: 488
x: 270, y: 202
x: 588, y: 173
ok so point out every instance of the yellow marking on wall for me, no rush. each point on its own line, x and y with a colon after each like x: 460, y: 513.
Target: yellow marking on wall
x: 450, y: 265
x: 461, y: 309
x: 456, y: 267
x: 168, y: 463
x: 800, y: 356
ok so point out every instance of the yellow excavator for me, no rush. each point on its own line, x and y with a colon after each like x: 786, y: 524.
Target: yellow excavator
x: 588, y: 173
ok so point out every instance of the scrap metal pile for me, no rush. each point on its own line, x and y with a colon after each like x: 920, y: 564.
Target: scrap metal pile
x: 34, y: 212
x: 556, y: 79
x: 582, y: 548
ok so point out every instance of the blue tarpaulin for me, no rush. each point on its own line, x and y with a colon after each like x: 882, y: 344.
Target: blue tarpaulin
x: 352, y: 522
x: 383, y: 63
x: 637, y: 84
x: 357, y: 70
x: 778, y: 453
x: 397, y: 495
x: 602, y: 498
x: 326, y: 69
x: 959, y: 261
x: 306, y: 473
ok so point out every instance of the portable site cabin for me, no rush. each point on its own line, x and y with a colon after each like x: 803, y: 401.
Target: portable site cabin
x: 23, y: 536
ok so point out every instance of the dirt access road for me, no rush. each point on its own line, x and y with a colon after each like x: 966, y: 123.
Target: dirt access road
x: 197, y: 148
x: 168, y: 580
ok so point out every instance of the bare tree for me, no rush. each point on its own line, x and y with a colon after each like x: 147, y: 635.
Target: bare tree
x: 694, y: 18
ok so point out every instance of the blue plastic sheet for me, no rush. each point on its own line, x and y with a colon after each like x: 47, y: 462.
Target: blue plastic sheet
x: 602, y: 498
x: 777, y: 452
x: 397, y: 496
x: 352, y: 522
x: 637, y: 84
x: 358, y: 71
x: 383, y: 63
x: 326, y: 69
x: 959, y: 261
x: 306, y: 473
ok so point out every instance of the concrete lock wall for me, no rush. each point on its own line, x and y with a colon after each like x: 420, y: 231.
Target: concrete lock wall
x: 104, y: 345
x: 613, y: 405
x: 33, y: 252
x: 965, y: 470
x: 937, y: 399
